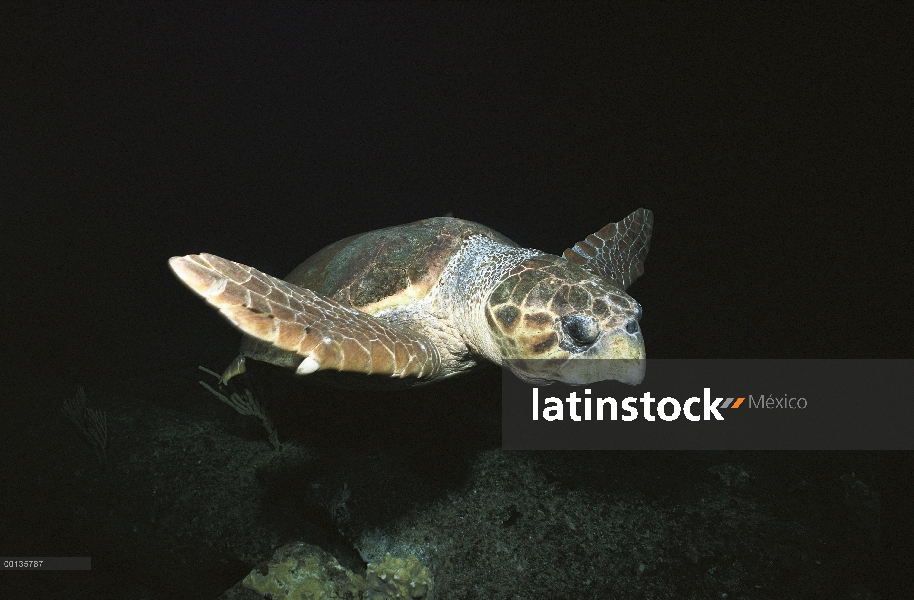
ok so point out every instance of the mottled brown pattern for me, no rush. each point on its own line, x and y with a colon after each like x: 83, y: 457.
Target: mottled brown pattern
x: 537, y: 293
x: 370, y: 270
x: 538, y: 319
x: 430, y: 299
x: 540, y: 344
x: 306, y: 324
x: 616, y: 252
x: 507, y: 316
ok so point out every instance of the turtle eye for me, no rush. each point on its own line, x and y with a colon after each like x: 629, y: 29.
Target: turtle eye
x: 583, y: 329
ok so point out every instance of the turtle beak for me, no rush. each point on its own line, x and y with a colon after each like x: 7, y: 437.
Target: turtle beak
x: 583, y: 371
x: 618, y: 355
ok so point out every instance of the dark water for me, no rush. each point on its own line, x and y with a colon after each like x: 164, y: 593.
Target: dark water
x: 767, y: 140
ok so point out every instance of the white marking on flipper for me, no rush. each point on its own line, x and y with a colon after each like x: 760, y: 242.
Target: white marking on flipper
x: 309, y: 365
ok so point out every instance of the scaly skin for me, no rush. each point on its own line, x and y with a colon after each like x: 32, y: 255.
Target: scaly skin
x: 428, y: 300
x: 313, y: 331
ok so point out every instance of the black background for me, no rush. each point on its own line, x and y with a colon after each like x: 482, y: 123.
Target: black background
x: 771, y: 141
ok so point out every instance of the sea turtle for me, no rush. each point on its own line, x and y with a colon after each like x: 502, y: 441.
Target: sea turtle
x: 431, y: 299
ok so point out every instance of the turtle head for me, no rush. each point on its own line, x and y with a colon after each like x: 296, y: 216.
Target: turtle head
x: 556, y: 321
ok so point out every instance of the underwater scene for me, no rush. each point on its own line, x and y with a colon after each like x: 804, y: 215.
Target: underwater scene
x: 265, y: 266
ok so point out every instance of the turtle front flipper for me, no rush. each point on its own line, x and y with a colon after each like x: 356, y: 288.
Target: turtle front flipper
x: 617, y: 251
x: 310, y: 330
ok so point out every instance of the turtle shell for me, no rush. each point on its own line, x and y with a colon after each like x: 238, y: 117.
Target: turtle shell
x: 388, y: 267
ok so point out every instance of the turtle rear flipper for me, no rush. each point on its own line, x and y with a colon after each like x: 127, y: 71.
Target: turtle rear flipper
x: 321, y: 332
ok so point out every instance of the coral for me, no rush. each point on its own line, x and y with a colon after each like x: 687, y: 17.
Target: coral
x: 399, y: 578
x: 249, y: 405
x: 301, y: 571
x: 91, y: 423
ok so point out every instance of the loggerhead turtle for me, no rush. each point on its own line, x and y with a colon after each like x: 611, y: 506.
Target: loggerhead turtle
x: 434, y: 298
